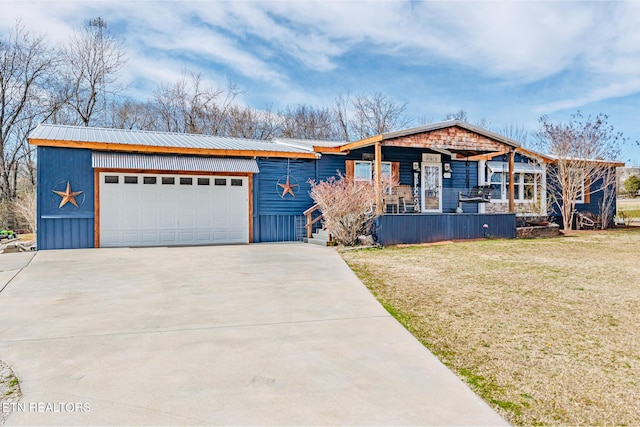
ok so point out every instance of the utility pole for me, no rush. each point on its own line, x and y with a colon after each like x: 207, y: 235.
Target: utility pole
x: 100, y: 25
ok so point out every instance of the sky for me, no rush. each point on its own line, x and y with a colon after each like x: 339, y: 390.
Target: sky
x: 506, y: 63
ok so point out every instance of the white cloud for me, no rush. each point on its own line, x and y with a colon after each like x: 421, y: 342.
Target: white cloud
x: 601, y: 93
x: 275, y: 42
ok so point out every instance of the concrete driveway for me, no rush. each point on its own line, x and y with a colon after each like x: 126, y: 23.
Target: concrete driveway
x: 255, y: 334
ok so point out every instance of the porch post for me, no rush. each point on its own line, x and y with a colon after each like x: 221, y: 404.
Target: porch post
x: 378, y: 173
x: 512, y: 201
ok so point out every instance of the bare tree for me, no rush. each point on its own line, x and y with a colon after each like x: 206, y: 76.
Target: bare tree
x: 423, y: 120
x: 27, y: 68
x: 190, y: 106
x: 307, y: 122
x: 246, y: 122
x: 458, y: 115
x: 580, y: 149
x: 376, y: 114
x: 341, y: 127
x: 93, y: 58
x: 25, y: 207
x: 484, y: 123
x: 516, y: 132
x: 131, y: 114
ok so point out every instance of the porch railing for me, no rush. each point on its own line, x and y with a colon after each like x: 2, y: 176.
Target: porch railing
x: 310, y: 220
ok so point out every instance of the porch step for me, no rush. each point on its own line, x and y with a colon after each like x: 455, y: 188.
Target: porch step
x: 321, y: 232
x: 318, y: 241
x: 320, y: 237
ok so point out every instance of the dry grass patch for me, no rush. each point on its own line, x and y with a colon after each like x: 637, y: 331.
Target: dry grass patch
x: 630, y: 208
x: 547, y: 331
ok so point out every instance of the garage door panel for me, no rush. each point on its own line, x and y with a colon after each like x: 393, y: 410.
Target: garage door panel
x: 131, y: 237
x: 173, y: 214
x: 204, y: 222
x: 236, y: 236
x: 204, y: 236
x: 150, y: 238
x: 186, y: 237
x: 168, y: 237
x: 132, y: 222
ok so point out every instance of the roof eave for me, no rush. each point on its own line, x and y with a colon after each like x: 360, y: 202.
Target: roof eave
x: 428, y: 128
x: 106, y: 146
x: 452, y: 123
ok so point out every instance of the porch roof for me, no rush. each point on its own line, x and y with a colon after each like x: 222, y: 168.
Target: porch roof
x: 496, y: 166
x: 463, y: 147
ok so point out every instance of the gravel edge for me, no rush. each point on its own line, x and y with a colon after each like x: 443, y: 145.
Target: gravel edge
x: 9, y: 390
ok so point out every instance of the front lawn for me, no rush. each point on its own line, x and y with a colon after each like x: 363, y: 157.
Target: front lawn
x: 630, y: 208
x: 546, y: 331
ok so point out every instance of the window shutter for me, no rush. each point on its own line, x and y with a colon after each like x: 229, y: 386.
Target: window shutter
x: 587, y: 190
x: 395, y: 172
x: 349, y: 169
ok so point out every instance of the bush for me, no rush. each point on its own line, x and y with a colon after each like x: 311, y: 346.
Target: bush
x: 348, y: 207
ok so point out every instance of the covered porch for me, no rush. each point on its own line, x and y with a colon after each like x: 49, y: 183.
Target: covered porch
x: 446, y: 181
x: 449, y: 167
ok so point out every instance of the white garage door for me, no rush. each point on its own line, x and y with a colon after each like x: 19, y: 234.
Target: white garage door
x: 164, y: 210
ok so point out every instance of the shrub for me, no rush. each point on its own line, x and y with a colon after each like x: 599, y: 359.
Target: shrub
x: 348, y: 207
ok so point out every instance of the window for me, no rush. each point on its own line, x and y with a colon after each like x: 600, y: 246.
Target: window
x: 364, y: 170
x: 220, y: 181
x: 580, y: 196
x: 203, y: 181
x: 168, y: 180
x: 496, y: 186
x: 186, y: 181
x: 385, y: 167
x: 130, y: 179
x: 236, y: 183
x: 149, y: 180
x: 111, y: 179
x: 525, y: 186
x: 528, y: 184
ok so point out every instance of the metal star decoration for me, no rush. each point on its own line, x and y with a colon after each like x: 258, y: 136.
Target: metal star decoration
x: 287, y: 187
x: 68, y: 196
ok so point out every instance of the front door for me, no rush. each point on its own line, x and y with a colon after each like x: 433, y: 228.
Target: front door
x: 431, y: 187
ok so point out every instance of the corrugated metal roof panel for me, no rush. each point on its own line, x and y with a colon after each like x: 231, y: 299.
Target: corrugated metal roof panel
x: 156, y: 139
x: 308, y: 142
x: 111, y: 160
x: 517, y: 167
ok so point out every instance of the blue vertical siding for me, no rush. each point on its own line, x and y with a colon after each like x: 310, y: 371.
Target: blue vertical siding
x: 281, y: 228
x: 275, y: 217
x: 328, y: 165
x: 67, y: 227
x: 427, y: 228
x: 458, y: 183
x: 66, y: 233
x: 595, y: 200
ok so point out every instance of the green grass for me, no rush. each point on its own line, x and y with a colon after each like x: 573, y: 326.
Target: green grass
x: 633, y: 213
x: 544, y: 330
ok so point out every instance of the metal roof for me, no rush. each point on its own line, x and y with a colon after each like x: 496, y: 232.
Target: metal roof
x: 114, y: 160
x: 155, y: 139
x: 518, y: 167
x: 308, y: 143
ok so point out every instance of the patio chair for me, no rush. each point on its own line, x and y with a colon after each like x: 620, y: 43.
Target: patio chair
x: 406, y: 197
x: 392, y: 203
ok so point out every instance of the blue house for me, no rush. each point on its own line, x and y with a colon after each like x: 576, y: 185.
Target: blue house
x: 111, y: 188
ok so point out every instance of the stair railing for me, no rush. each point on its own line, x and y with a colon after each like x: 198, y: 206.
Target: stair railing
x: 310, y: 221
